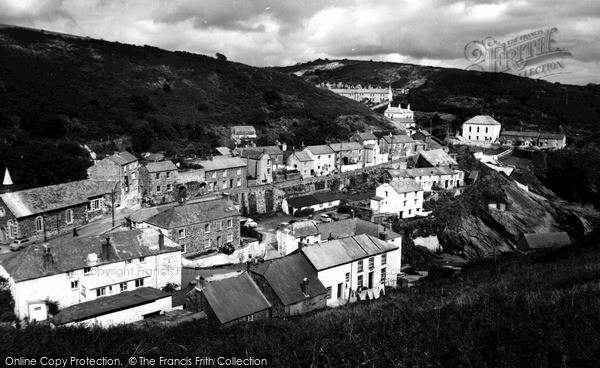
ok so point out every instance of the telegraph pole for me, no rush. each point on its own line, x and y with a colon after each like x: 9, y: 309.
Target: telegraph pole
x: 112, y: 207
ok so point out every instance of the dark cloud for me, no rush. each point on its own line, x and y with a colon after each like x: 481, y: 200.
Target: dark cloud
x: 17, y: 12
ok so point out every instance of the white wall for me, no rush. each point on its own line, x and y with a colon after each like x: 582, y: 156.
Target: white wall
x: 493, y: 132
x: 394, y: 202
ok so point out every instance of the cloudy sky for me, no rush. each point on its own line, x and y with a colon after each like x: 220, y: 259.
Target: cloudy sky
x: 284, y: 32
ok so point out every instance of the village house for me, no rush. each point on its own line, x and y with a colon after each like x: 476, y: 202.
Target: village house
x: 372, y: 155
x: 222, y: 173
x: 400, y: 197
x: 355, y: 267
x: 275, y: 152
x: 537, y: 241
x: 323, y: 157
x: 397, y: 146
x: 259, y: 166
x: 290, y: 236
x: 533, y: 139
x: 318, y: 201
x: 158, y: 181
x: 243, y: 135
x: 201, y: 227
x: 435, y: 158
x: 550, y: 140
x: 79, y: 269
x: 230, y: 300
x: 356, y: 226
x: 360, y: 94
x: 301, y: 161
x: 55, y: 209
x: 290, y: 284
x: 121, y: 167
x: 481, y: 128
x: 429, y: 177
x: 349, y: 155
x: 153, y: 157
x: 402, y: 116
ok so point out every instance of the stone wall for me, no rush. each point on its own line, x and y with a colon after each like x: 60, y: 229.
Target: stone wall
x: 195, y: 237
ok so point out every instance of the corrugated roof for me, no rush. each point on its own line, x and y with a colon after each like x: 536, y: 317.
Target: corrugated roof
x: 235, y: 297
x: 159, y: 166
x: 545, y: 240
x: 194, y: 213
x: 482, y: 120
x: 322, y: 149
x: 312, y: 199
x: 122, y: 158
x: 345, y: 146
x: 344, y: 250
x: 71, y: 253
x: 286, y: 275
x: 53, y: 197
x: 222, y: 163
x: 350, y: 227
x: 437, y: 157
x: 109, y: 304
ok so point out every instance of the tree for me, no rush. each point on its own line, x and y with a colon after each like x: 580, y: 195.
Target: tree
x: 221, y: 56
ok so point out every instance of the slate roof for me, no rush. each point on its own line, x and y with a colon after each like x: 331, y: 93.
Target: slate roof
x: 320, y: 149
x: 302, y: 229
x: 224, y: 151
x: 423, y: 132
x: 271, y: 150
x: 510, y: 133
x: 350, y: 227
x: 222, y: 163
x: 109, y: 304
x: 395, y: 139
x: 122, y: 158
x: 437, y: 157
x: 543, y: 240
x: 482, y: 120
x: 194, y: 213
x: 552, y: 136
x: 235, y: 297
x: 405, y: 186
x: 243, y: 130
x: 420, y: 171
x: 252, y: 155
x: 366, y: 136
x: 346, y: 146
x: 160, y: 166
x: 302, y: 156
x: 153, y: 156
x: 70, y: 254
x: 53, y: 197
x: 286, y: 275
x: 313, y: 198
x: 144, y: 214
x: 341, y: 251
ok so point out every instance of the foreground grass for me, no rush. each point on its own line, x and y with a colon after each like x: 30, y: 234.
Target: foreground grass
x: 534, y: 311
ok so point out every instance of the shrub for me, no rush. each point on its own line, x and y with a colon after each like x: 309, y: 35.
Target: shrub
x: 227, y: 248
x: 304, y: 212
x: 53, y: 307
x: 250, y: 232
x: 170, y: 287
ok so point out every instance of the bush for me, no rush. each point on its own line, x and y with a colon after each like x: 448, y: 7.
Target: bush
x: 227, y: 248
x: 304, y: 212
x: 250, y: 232
x: 170, y: 287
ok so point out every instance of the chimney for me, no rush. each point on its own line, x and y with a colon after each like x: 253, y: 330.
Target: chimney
x: 284, y: 146
x: 106, y: 250
x: 305, y: 286
x: 48, y: 260
x: 161, y: 240
x: 200, y: 283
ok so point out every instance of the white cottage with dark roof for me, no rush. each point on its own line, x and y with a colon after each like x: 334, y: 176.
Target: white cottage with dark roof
x: 400, y: 197
x: 481, y: 128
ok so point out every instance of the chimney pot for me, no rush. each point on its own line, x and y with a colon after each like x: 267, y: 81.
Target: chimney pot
x: 161, y: 240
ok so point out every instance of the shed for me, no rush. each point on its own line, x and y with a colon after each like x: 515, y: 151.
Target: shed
x: 537, y: 241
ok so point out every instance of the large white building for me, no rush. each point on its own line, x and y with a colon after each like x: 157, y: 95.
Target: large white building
x: 374, y: 95
x: 323, y: 158
x: 401, y: 197
x: 354, y: 267
x: 481, y: 128
x: 81, y: 269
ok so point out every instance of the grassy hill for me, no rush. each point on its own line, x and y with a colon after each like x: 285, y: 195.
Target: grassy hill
x: 56, y: 88
x: 514, y: 101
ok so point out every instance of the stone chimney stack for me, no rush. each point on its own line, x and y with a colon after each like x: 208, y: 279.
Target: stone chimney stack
x: 48, y: 260
x: 161, y: 240
x: 106, y: 249
x: 305, y: 286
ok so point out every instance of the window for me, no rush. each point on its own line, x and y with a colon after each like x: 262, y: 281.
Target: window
x: 251, y: 318
x: 123, y: 286
x: 110, y: 289
x: 2, y: 212
x: 329, y: 292
x: 69, y: 216
x: 239, y: 171
x: 207, y: 228
x: 360, y: 266
x: 230, y: 237
x: 404, y: 203
x: 486, y: 129
x: 224, y: 173
x: 214, y: 175
x: 360, y: 281
x: 329, y: 156
x: 415, y: 201
x: 181, y: 233
x: 347, y: 276
x: 12, y: 229
x: 383, y: 259
x: 477, y: 129
x: 229, y: 224
x: 100, y: 292
x: 39, y: 223
x: 371, y: 262
x: 74, y: 285
x: 168, y: 174
x: 219, y: 225
x: 139, y: 283
x: 207, y: 243
x: 95, y: 204
x: 239, y: 182
x: 224, y: 184
x: 169, y: 188
x: 157, y: 175
x: 158, y: 188
x: 469, y: 129
x: 383, y: 275
x: 142, y: 259
x: 87, y: 270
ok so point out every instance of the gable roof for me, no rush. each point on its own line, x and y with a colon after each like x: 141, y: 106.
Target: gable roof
x: 552, y: 136
x: 286, y: 275
x: 222, y: 163
x: 144, y: 214
x: 109, y: 304
x: 153, y: 156
x: 437, y: 157
x: 400, y: 138
x: 122, y: 158
x: 365, y: 136
x: 159, y: 166
x: 313, y: 198
x: 53, y: 197
x: 345, y: 146
x: 482, y: 120
x: 302, y: 156
x: 194, y: 213
x: 337, y: 252
x: 303, y: 229
x: 271, y: 150
x: 253, y: 155
x: 510, y: 133
x: 404, y: 185
x: 71, y: 254
x: 223, y: 151
x: 543, y: 240
x: 423, y: 132
x: 350, y: 227
x: 320, y: 149
x: 235, y: 297
x: 243, y: 130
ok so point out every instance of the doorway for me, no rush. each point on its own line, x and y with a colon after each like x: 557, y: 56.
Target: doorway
x: 370, y: 286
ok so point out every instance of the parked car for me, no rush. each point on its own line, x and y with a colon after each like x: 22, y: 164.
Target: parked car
x: 19, y: 244
x: 248, y: 222
x: 325, y: 218
x: 334, y: 216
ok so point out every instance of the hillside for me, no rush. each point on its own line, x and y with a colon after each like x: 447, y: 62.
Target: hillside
x: 57, y: 88
x: 514, y: 101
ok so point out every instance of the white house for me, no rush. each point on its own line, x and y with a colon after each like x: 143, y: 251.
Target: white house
x: 318, y: 201
x: 354, y: 267
x: 323, y: 157
x: 372, y: 153
x: 302, y: 162
x: 81, y: 269
x: 428, y: 177
x: 288, y: 237
x: 482, y: 128
x: 402, y: 197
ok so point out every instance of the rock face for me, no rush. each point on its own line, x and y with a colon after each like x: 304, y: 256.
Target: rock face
x: 494, y: 213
